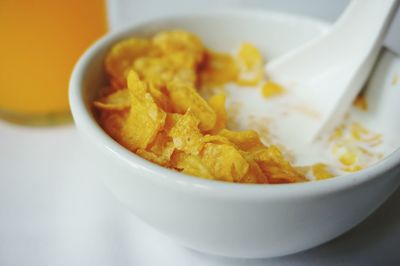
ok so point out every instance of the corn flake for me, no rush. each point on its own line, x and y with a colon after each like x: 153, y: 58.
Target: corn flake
x: 217, y: 69
x: 186, y: 135
x: 250, y: 62
x: 191, y: 165
x: 276, y: 168
x: 217, y: 103
x: 183, y: 96
x: 179, y: 41
x: 224, y: 162
x: 112, y: 121
x: 145, y: 118
x: 272, y: 89
x: 254, y: 175
x: 244, y: 140
x: 361, y: 102
x: 122, y: 55
x: 321, y: 171
x: 117, y: 100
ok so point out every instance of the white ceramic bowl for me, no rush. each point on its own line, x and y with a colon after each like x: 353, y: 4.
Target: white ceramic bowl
x: 237, y: 220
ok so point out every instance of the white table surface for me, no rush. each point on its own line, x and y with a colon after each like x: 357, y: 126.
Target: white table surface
x: 54, y: 210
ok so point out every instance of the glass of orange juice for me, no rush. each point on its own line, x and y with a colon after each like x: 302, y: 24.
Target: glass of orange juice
x: 39, y: 45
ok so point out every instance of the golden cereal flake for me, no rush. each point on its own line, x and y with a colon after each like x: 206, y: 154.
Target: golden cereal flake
x: 216, y: 139
x: 112, y: 121
x: 154, y: 69
x: 179, y: 41
x: 233, y: 111
x: 224, y: 162
x: 244, y: 140
x: 249, y: 57
x: 144, y: 121
x: 321, y: 171
x: 352, y: 145
x: 217, y: 69
x: 161, y: 70
x: 145, y: 118
x: 122, y: 55
x: 362, y: 134
x: 152, y: 157
x: 136, y: 86
x: 250, y: 63
x: 352, y: 168
x: 276, y: 168
x: 255, y: 174
x: 160, y: 96
x: 190, y: 164
x: 117, y: 100
x: 160, y: 150
x: 183, y: 96
x: 361, y: 102
x: 348, y: 158
x: 259, y: 124
x: 186, y: 135
x: 272, y: 89
x: 217, y: 103
x: 337, y: 133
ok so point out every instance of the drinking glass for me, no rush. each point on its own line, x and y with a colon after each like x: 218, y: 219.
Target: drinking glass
x: 39, y: 45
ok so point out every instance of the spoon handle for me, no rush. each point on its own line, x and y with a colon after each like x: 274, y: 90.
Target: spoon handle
x: 392, y: 39
x: 365, y: 21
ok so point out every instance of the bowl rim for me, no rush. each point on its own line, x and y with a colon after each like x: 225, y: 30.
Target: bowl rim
x: 86, y: 123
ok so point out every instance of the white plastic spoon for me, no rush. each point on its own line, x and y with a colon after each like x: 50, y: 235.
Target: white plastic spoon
x: 327, y: 74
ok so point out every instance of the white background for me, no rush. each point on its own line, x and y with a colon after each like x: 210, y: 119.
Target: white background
x: 125, y: 12
x: 54, y: 210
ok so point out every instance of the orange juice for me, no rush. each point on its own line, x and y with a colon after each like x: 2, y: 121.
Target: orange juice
x: 39, y: 45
